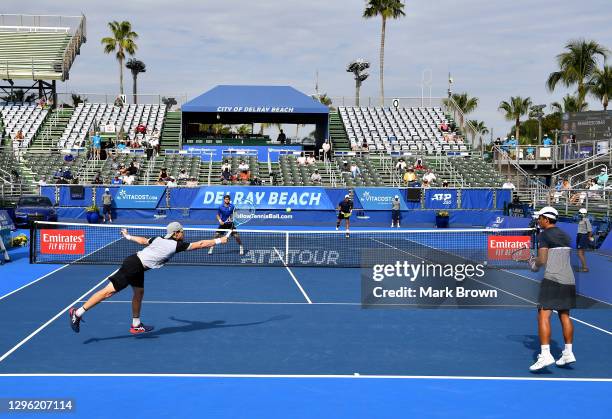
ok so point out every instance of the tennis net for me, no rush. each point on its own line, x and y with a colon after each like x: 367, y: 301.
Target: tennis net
x: 72, y: 243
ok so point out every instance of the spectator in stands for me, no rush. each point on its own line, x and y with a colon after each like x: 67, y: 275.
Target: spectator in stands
x: 183, y: 175
x: 41, y: 102
x: 563, y: 191
x: 325, y: 150
x: 594, y: 186
x: 141, y: 129
x: 68, y: 158
x: 508, y: 184
x: 445, y: 184
x: 121, y: 147
x: 243, y: 166
x: 444, y: 127
x: 546, y: 141
x: 282, y: 138
x: 97, y: 180
x: 61, y: 181
x: 128, y: 179
x: 58, y: 173
x: 96, y: 143
x: 244, y: 177
x: 67, y: 174
x: 355, y: 171
x: 426, y: 184
x: 226, y: 165
x: 42, y: 181
x: 163, y: 176
x: 419, y: 165
x: 530, y: 153
x: 602, y: 179
x: 430, y: 177
x: 409, y: 176
x: 401, y: 165
x: 171, y: 183
x: 301, y: 160
x: 132, y: 169
x: 226, y: 176
x: 107, y: 202
x: 19, y: 139
x: 310, y: 161
x: 119, y: 102
x: 315, y: 177
x: 345, y: 167
x: 116, y: 181
x: 255, y: 181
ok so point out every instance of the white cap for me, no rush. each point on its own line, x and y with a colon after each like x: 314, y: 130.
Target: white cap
x: 173, y: 227
x: 396, y: 196
x: 106, y: 190
x: 582, y: 210
x: 548, y: 212
x: 603, y: 169
x: 347, y: 196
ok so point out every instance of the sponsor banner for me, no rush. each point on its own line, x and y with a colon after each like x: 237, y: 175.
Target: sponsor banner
x: 62, y: 242
x: 502, y: 247
x: 306, y: 198
x: 379, y: 199
x: 263, y: 152
x: 137, y: 196
x: 440, y: 198
x: 476, y: 198
x: 6, y: 221
x: 502, y: 198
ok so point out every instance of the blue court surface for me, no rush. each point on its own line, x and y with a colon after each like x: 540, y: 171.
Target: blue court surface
x: 285, y: 342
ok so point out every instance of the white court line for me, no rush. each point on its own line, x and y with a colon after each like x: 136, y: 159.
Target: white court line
x: 329, y: 376
x: 33, y: 282
x: 293, y: 276
x: 51, y: 320
x: 508, y: 292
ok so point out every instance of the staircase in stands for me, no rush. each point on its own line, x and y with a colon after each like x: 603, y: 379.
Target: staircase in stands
x: 171, y: 131
x: 52, y: 130
x: 337, y: 133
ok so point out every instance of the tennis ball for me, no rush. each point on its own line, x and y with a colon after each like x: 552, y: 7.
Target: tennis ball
x: 288, y: 210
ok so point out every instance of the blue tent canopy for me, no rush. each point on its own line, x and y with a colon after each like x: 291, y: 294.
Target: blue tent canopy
x: 255, y: 99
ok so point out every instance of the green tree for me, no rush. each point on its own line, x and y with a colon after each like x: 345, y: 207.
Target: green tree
x: 576, y: 65
x: 76, y: 99
x: 244, y: 129
x: 169, y: 101
x: 136, y: 67
x: 386, y: 9
x: 569, y: 104
x: 19, y: 96
x: 480, y: 128
x: 600, y: 85
x: 514, y: 110
x: 122, y: 41
x: 465, y: 104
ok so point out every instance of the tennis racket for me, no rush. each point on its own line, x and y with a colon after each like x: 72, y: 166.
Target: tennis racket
x: 526, y: 255
x: 243, y: 213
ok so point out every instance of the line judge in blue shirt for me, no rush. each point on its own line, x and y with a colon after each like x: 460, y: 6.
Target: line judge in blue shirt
x: 226, y: 222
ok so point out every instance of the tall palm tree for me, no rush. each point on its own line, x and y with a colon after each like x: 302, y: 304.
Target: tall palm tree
x: 122, y: 42
x: 19, y: 96
x: 514, y: 110
x: 480, y: 128
x: 576, y: 65
x: 136, y: 67
x: 465, y: 104
x: 569, y: 104
x: 386, y: 9
x: 600, y: 85
x: 76, y: 99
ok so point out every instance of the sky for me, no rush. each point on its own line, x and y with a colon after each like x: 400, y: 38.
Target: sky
x: 494, y: 49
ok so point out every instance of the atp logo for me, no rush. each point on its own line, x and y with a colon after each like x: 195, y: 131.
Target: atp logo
x: 446, y: 198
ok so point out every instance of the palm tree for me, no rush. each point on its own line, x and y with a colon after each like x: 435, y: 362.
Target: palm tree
x: 169, y: 101
x: 76, y: 99
x: 136, y: 67
x: 465, y: 104
x: 576, y: 65
x: 570, y: 104
x: 19, y: 96
x: 479, y: 128
x: 323, y: 99
x: 122, y: 41
x: 514, y: 110
x: 386, y: 9
x: 600, y: 85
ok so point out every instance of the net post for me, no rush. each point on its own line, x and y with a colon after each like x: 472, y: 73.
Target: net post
x: 32, y: 240
x: 287, y: 248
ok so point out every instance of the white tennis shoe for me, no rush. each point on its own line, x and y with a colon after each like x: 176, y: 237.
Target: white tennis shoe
x: 542, y: 362
x: 566, y: 358
x: 241, y: 250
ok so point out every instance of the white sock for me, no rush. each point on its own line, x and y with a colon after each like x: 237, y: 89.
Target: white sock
x: 80, y: 312
x: 568, y: 348
x: 136, y: 321
x: 545, y: 350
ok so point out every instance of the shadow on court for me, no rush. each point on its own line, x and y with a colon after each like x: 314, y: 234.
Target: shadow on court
x: 188, y: 326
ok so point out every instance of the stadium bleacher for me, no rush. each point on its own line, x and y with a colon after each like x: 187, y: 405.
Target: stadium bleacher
x: 27, y: 118
x: 128, y: 117
x: 398, y: 130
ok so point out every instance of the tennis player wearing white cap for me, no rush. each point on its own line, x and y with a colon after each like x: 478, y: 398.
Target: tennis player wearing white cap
x: 158, y: 251
x: 395, y: 211
x: 557, y: 289
x: 345, y: 209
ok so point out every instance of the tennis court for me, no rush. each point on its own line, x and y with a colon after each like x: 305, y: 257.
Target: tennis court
x: 300, y: 326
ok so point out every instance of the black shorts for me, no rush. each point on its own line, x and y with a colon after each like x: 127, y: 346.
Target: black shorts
x: 106, y: 209
x: 344, y: 215
x: 556, y: 296
x: 582, y: 241
x: 395, y: 215
x: 130, y: 273
x: 223, y: 228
